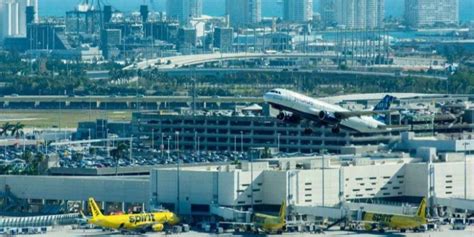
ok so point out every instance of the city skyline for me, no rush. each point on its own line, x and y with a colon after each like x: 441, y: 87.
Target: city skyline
x: 217, y: 7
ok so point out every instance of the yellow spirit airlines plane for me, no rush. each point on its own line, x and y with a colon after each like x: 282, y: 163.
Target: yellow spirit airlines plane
x: 142, y: 222
x: 399, y: 222
x: 271, y: 224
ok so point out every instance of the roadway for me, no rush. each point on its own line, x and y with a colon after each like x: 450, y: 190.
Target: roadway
x: 128, y: 99
x: 197, y: 71
x: 197, y: 59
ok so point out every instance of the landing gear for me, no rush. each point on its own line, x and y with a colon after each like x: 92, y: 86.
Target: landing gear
x: 336, y: 129
x: 280, y: 116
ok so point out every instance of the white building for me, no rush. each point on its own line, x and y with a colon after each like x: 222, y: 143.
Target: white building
x: 13, y: 17
x: 359, y: 14
x: 297, y: 10
x: 183, y: 10
x: 243, y: 12
x: 425, y: 13
x: 300, y: 182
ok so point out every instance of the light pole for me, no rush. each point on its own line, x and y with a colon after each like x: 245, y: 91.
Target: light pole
x: 241, y: 141
x: 177, y: 172
x: 465, y: 169
x: 235, y: 143
x: 162, y: 147
x: 169, y: 138
x: 153, y: 139
x: 195, y: 141
x: 322, y: 174
x: 278, y: 142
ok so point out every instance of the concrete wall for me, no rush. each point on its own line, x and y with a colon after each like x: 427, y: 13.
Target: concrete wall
x: 109, y: 189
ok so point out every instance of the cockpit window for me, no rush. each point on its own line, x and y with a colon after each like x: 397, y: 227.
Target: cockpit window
x: 275, y: 91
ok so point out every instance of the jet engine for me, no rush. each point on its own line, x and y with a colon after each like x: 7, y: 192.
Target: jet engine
x: 288, y: 117
x: 157, y: 227
x: 328, y: 117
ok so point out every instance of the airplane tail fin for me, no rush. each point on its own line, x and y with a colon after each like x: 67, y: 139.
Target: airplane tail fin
x: 94, y: 209
x: 383, y: 105
x: 282, y: 213
x: 422, y: 209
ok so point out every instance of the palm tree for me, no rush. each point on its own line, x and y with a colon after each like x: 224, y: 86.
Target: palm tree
x: 17, y: 129
x: 6, y: 127
x: 118, y: 153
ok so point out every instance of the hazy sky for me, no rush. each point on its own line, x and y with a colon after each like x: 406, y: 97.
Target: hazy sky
x: 216, y: 7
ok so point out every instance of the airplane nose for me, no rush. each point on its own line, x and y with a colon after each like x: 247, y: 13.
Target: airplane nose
x: 267, y: 97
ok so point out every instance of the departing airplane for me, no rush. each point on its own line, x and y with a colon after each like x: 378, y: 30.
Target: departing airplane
x: 295, y: 107
x: 142, y: 222
x: 269, y: 223
x: 381, y: 221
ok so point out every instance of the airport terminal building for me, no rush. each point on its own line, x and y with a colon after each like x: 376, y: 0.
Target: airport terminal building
x: 300, y: 182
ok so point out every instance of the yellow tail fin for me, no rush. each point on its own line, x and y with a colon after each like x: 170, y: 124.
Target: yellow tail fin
x: 282, y: 214
x: 422, y: 209
x: 94, y: 209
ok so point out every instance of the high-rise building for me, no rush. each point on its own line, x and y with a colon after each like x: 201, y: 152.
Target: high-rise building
x: 13, y: 18
x: 359, y: 14
x: 243, y: 12
x: 223, y: 38
x: 186, y: 38
x: 183, y: 10
x: 327, y: 10
x: 422, y: 13
x: 297, y: 10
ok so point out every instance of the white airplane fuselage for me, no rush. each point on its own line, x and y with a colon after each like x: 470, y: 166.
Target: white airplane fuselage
x: 309, y: 108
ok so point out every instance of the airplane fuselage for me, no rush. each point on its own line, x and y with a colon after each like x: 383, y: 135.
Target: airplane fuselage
x: 269, y: 224
x: 134, y: 221
x: 391, y: 221
x: 309, y: 108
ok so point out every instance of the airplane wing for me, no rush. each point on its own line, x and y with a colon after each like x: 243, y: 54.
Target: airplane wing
x: 348, y: 114
x: 146, y: 226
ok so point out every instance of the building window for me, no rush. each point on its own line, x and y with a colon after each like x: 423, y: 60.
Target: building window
x: 385, y: 194
x: 308, y: 200
x: 372, y: 178
x: 241, y: 202
x: 199, y: 208
x: 307, y: 189
x: 307, y: 183
x: 308, y: 195
x: 384, y: 188
x: 362, y: 184
x: 258, y: 201
x: 395, y: 188
x: 449, y: 181
x: 373, y: 183
x: 358, y: 179
x: 400, y: 182
x: 355, y: 190
x: 369, y: 189
x: 400, y: 176
x: 449, y: 192
x: 386, y: 177
x: 448, y: 187
x: 400, y: 193
x: 256, y: 190
x: 389, y: 182
x: 245, y: 185
x: 240, y: 191
x: 449, y: 176
x: 359, y: 195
